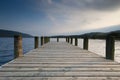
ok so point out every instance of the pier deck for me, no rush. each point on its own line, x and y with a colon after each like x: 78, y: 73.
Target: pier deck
x: 60, y: 61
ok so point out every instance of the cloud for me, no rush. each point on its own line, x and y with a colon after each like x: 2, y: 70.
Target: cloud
x: 93, y: 4
x: 78, y: 15
x: 49, y: 1
x: 67, y: 16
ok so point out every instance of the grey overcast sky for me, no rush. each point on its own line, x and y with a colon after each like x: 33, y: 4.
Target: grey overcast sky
x: 52, y: 17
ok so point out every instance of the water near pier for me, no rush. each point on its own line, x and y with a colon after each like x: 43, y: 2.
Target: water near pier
x: 7, y: 48
x: 98, y: 46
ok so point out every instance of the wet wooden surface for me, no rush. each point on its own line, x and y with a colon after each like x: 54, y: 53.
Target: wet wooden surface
x: 60, y: 61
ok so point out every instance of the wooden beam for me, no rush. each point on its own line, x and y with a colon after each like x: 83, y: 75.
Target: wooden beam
x: 71, y: 41
x: 85, y: 44
x: 42, y: 40
x: 18, y: 50
x: 110, y: 46
x: 57, y: 39
x: 68, y: 39
x: 36, y: 40
x: 76, y: 42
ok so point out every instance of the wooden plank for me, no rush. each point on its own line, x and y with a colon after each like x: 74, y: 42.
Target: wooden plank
x: 73, y: 63
x: 59, y: 69
x: 59, y: 78
x: 62, y: 66
x: 60, y: 74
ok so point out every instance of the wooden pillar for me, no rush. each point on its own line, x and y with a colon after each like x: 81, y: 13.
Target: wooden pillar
x: 48, y: 39
x: 71, y: 41
x: 18, y: 51
x: 68, y: 39
x: 42, y: 40
x: 76, y: 42
x: 110, y: 46
x: 85, y: 44
x: 45, y: 40
x: 36, y: 39
x: 57, y: 39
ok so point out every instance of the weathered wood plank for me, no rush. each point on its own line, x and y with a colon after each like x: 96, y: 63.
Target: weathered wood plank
x: 62, y: 66
x: 60, y: 74
x: 59, y: 78
x: 59, y: 69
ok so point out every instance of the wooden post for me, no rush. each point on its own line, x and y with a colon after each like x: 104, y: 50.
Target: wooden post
x: 57, y: 39
x: 45, y: 40
x: 48, y: 39
x: 18, y: 51
x: 76, y: 42
x: 68, y: 39
x: 36, y: 39
x: 42, y: 40
x: 85, y: 44
x: 71, y: 41
x: 110, y: 42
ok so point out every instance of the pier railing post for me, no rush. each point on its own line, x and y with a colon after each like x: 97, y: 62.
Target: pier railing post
x: 42, y: 40
x: 57, y: 39
x: 36, y: 39
x: 68, y: 40
x: 85, y: 43
x: 45, y: 40
x: 18, y: 50
x: 48, y: 39
x: 71, y: 41
x: 110, y: 43
x: 76, y: 42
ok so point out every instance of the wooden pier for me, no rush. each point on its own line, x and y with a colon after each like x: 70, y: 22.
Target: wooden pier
x: 60, y: 61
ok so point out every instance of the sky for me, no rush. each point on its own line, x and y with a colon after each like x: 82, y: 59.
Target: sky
x: 58, y: 17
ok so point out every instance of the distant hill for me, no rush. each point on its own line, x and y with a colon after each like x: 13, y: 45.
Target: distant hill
x: 8, y: 33
x: 101, y: 35
x: 93, y: 35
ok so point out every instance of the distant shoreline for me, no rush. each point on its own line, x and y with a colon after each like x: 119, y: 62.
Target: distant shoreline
x: 9, y: 33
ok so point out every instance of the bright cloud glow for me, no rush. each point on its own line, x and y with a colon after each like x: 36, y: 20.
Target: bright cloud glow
x: 78, y: 17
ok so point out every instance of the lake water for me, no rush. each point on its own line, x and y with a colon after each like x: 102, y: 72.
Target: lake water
x: 7, y: 48
x: 98, y: 46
